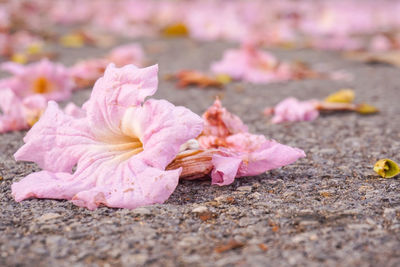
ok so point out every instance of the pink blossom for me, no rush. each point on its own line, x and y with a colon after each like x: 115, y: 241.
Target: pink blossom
x: 51, y: 80
x: 19, y: 114
x: 121, y: 145
x: 252, y: 65
x: 127, y: 54
x: 292, y: 109
x: 240, y: 153
x: 86, y: 72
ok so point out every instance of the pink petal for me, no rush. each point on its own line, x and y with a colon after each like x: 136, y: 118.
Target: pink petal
x: 219, y: 122
x: 129, y: 185
x: 292, y: 109
x: 56, y: 141
x: 225, y: 169
x: 127, y: 54
x: 119, y: 89
x: 270, y: 155
x: 13, y: 117
x: 162, y: 129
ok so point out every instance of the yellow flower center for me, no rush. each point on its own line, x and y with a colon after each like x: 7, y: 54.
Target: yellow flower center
x: 42, y: 86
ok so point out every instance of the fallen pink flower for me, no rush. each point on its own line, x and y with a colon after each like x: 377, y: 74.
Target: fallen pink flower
x: 19, y: 114
x: 228, y: 151
x: 120, y: 146
x: 85, y: 73
x: 253, y: 65
x: 292, y: 109
x: 51, y: 80
x: 127, y: 54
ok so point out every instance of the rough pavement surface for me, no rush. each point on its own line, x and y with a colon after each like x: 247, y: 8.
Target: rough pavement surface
x: 326, y: 209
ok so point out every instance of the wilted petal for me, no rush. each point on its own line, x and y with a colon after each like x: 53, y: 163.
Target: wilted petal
x: 225, y: 169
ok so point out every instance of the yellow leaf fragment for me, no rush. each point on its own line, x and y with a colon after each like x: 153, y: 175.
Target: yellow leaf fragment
x: 386, y: 168
x: 19, y: 58
x: 365, y: 109
x: 341, y: 96
x: 73, y: 40
x: 176, y: 30
x: 223, y: 78
x: 34, y: 49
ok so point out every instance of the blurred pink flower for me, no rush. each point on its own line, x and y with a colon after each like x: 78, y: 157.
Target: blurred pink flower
x: 240, y: 153
x: 127, y: 54
x: 51, y: 80
x: 86, y: 72
x: 19, y: 114
x: 120, y: 145
x: 252, y: 65
x: 291, y: 109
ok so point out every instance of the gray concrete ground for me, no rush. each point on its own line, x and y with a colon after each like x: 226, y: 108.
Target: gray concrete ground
x: 326, y: 209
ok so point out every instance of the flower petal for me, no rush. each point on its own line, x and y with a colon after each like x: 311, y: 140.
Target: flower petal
x: 225, y: 169
x: 162, y: 128
x: 129, y: 185
x: 56, y: 141
x: 117, y: 90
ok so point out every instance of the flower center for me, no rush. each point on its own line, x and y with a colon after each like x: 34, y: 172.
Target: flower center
x: 42, y: 86
x: 125, y: 150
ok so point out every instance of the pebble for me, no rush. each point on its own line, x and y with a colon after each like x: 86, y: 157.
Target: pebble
x: 141, y: 211
x: 48, y: 216
x: 200, y: 209
x: 246, y: 188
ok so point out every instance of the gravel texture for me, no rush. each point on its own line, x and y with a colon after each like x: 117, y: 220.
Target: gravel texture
x: 326, y: 209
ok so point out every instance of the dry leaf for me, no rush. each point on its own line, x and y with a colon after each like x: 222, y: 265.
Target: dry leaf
x: 232, y: 244
x: 263, y: 247
x: 386, y: 168
x: 390, y: 57
x: 341, y: 96
x: 366, y: 109
x: 176, y: 30
x: 196, y: 78
x: 72, y: 40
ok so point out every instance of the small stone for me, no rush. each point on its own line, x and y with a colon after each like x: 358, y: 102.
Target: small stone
x: 246, y: 188
x: 255, y: 195
x: 141, y: 211
x: 48, y: 216
x: 135, y: 259
x: 327, y: 151
x: 200, y: 209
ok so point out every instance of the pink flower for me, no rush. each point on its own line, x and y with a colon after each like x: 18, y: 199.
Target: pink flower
x: 85, y: 73
x: 127, y: 54
x: 51, y: 80
x: 240, y: 153
x: 252, y: 65
x: 292, y: 109
x: 19, y: 114
x: 120, y: 146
